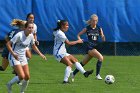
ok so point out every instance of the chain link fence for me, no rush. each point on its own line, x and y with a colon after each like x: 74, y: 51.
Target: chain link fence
x: 106, y: 48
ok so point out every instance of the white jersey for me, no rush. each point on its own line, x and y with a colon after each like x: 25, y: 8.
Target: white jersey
x: 59, y: 50
x: 20, y: 41
x: 35, y: 29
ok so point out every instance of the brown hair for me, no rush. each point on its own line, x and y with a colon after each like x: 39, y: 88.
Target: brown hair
x: 60, y: 23
x: 18, y: 23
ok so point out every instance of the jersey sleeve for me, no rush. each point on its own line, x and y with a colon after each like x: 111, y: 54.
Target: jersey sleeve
x: 11, y: 34
x: 16, y: 38
x: 35, y: 28
x: 32, y: 40
x: 62, y: 37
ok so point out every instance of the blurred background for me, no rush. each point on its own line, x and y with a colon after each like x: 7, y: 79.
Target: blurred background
x: 119, y: 20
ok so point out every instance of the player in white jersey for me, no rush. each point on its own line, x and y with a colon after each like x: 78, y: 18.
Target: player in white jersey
x: 17, y: 56
x: 30, y: 19
x: 61, y: 54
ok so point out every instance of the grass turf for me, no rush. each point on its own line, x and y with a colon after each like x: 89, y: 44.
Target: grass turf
x: 47, y: 76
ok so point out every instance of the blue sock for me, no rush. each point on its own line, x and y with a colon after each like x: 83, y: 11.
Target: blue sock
x: 98, y: 67
x: 76, y: 70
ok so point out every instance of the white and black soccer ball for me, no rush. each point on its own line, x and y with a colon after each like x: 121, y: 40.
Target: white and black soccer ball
x: 109, y: 79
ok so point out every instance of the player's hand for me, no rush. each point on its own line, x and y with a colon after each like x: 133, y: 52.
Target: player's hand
x: 44, y: 57
x: 15, y: 56
x: 37, y: 43
x: 80, y: 41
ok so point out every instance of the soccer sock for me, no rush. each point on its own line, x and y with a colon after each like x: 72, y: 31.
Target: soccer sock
x: 76, y: 70
x: 79, y: 67
x: 67, y: 73
x: 24, y: 85
x: 1, y: 69
x: 98, y: 67
x: 14, y: 80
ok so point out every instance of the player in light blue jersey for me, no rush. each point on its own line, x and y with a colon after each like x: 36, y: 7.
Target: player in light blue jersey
x: 17, y: 56
x: 60, y: 52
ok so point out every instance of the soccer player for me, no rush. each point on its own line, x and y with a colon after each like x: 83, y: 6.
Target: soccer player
x: 17, y: 56
x: 30, y: 19
x: 19, y: 25
x: 61, y: 54
x: 93, y: 31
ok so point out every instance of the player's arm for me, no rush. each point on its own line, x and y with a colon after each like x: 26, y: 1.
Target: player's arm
x: 14, y: 40
x: 8, y: 44
x: 102, y: 34
x: 80, y: 33
x: 35, y: 37
x: 37, y: 51
x: 73, y: 42
x: 7, y: 38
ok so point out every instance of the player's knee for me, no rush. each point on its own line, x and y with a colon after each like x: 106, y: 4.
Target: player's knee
x: 4, y: 68
x: 101, y: 58
x: 21, y: 77
x: 27, y: 77
x: 70, y: 64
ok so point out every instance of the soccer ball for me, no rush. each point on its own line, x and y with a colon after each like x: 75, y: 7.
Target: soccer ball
x: 109, y: 79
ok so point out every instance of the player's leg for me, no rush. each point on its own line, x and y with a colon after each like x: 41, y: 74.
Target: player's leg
x: 86, y: 59
x: 20, y: 76
x: 25, y: 82
x: 97, y: 55
x: 79, y: 66
x: 68, y: 70
x: 5, y: 64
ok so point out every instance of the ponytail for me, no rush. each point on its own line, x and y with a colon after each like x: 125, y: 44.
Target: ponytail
x: 60, y: 23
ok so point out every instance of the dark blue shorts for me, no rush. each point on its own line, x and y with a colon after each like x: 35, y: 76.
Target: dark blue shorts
x: 90, y: 48
x: 5, y: 52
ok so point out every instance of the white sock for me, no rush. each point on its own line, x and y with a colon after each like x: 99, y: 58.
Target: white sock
x: 67, y: 73
x: 79, y: 67
x: 14, y: 80
x: 24, y: 85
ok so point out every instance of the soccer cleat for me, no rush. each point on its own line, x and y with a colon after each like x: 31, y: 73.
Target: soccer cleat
x: 98, y: 77
x: 19, y: 83
x: 9, y: 87
x: 87, y: 73
x: 72, y: 76
x: 66, y: 82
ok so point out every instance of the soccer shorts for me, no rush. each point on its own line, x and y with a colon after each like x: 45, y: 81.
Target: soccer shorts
x: 22, y: 61
x: 58, y: 57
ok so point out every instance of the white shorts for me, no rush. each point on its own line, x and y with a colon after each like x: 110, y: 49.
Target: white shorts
x: 22, y: 61
x: 58, y: 57
x: 28, y: 48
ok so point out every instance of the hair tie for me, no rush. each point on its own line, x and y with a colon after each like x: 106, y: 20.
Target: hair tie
x: 58, y: 20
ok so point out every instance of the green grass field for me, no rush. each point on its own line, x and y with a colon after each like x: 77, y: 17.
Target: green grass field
x: 47, y: 76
